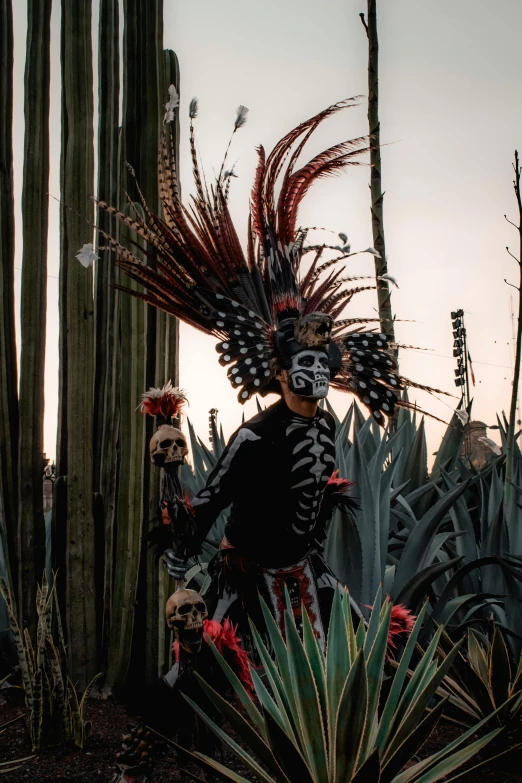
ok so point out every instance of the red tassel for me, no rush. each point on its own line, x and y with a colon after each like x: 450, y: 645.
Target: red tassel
x: 337, y: 484
x: 225, y: 637
x: 166, y: 402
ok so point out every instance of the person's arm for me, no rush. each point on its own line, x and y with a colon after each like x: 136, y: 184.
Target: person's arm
x: 209, y: 502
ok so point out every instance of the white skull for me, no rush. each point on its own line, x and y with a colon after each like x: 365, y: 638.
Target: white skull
x: 168, y: 445
x: 309, y: 374
x: 185, y: 612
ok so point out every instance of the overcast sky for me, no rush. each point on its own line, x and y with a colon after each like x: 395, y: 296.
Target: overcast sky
x: 451, y: 118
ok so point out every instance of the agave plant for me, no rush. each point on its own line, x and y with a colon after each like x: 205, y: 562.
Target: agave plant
x: 55, y: 712
x: 322, y: 718
x: 483, y: 679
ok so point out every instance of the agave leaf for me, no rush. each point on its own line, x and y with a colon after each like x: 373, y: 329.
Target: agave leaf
x: 281, y: 655
x: 236, y: 749
x: 457, y: 759
x: 477, y: 657
x: 499, y: 670
x: 415, y: 590
x: 422, y: 535
x: 308, y: 704
x: 404, y: 703
x: 350, y: 721
x: 249, y: 706
x: 404, y: 752
x: 375, y: 669
x: 243, y: 728
x: 266, y: 701
x: 450, y: 447
x: 286, y: 752
x: 317, y: 662
x: 398, y: 682
x: 337, y: 661
x: 455, y: 581
x: 370, y: 772
x: 416, y: 467
x: 411, y: 775
x: 423, y: 697
x: 374, y: 623
x: 222, y: 772
x: 276, y: 683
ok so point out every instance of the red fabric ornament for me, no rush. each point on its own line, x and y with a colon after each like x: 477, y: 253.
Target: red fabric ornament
x: 224, y: 636
x: 337, y: 484
x: 165, y: 402
x: 402, y: 621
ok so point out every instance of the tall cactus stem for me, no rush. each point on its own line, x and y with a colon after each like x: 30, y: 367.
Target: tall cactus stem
x: 377, y: 195
x: 107, y: 351
x: 77, y: 336
x: 35, y: 209
x: 8, y: 368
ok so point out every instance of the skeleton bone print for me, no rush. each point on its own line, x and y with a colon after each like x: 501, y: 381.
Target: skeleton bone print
x: 313, y: 461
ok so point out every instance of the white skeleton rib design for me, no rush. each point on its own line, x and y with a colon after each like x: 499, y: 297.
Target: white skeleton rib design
x: 314, y: 453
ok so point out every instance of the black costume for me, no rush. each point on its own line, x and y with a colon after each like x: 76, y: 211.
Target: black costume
x: 279, y: 306
x: 273, y: 474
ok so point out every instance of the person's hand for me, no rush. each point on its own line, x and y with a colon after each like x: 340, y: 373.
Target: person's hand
x: 176, y: 566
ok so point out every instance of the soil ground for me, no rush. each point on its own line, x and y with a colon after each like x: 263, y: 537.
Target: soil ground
x: 96, y: 763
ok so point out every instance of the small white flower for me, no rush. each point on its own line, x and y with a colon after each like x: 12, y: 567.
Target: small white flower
x: 390, y: 279
x: 463, y: 416
x: 172, y: 104
x: 492, y: 445
x: 86, y: 256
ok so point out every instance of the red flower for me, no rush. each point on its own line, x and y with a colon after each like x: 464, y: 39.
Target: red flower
x: 337, y: 484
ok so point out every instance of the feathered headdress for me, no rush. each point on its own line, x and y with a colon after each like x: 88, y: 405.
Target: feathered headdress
x: 262, y: 306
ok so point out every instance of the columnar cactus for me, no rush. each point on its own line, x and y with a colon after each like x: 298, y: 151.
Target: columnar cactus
x: 35, y: 207
x: 8, y: 370
x: 107, y: 310
x: 75, y: 435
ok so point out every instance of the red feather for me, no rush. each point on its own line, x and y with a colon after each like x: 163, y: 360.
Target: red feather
x: 224, y: 636
x: 340, y: 485
x: 166, y: 402
x: 402, y: 621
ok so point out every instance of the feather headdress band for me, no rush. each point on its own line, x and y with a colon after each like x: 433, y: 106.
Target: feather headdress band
x: 261, y: 305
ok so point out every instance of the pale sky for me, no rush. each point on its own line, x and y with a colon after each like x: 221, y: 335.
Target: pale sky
x: 451, y: 117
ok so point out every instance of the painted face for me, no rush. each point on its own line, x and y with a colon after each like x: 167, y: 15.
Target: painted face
x: 309, y: 375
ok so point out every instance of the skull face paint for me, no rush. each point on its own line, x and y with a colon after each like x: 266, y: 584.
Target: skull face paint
x: 309, y: 375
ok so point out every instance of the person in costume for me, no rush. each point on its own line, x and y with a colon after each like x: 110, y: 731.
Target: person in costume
x: 278, y: 314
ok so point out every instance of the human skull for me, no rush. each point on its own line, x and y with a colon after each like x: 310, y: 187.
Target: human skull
x: 168, y: 445
x: 185, y: 612
x: 309, y: 374
x: 314, y: 330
